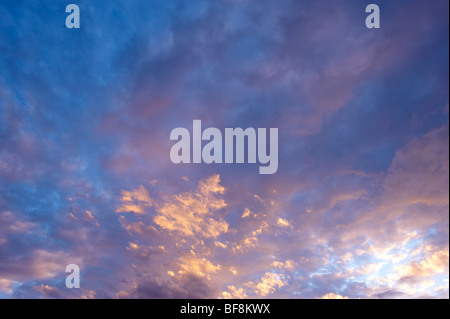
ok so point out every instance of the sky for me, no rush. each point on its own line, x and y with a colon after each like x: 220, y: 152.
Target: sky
x: 358, y: 207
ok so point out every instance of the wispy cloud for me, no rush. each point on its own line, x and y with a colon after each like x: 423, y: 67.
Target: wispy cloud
x: 357, y: 209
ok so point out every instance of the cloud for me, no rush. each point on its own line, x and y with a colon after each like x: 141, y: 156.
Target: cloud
x: 282, y: 222
x: 252, y: 238
x: 234, y: 293
x: 419, y: 171
x: 85, y: 176
x: 332, y: 295
x: 6, y: 285
x: 434, y: 263
x: 200, y: 267
x: 137, y: 228
x: 144, y: 252
x: 186, y: 287
x: 48, y: 291
x: 268, y: 284
x: 219, y: 244
x: 135, y: 201
x: 40, y: 265
x: 246, y: 213
x: 191, y: 213
x: 10, y: 224
x: 288, y: 264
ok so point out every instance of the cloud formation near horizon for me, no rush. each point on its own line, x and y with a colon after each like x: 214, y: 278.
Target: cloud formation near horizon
x: 358, y: 208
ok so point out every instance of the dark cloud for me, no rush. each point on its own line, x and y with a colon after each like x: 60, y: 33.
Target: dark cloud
x: 189, y: 287
x: 85, y: 117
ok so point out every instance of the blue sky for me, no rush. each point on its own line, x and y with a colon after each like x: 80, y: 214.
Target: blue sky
x: 361, y: 189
